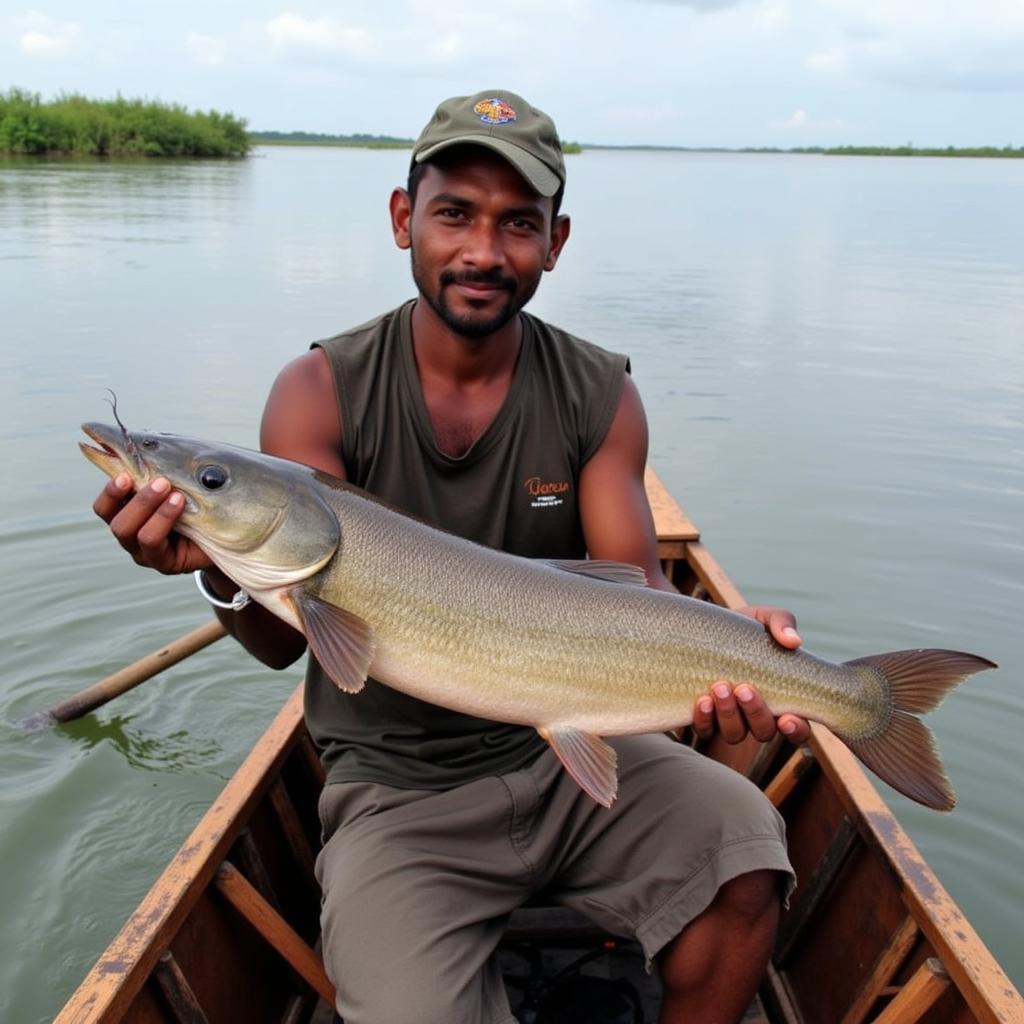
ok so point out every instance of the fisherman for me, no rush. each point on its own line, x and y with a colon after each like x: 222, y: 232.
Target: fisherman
x: 460, y: 408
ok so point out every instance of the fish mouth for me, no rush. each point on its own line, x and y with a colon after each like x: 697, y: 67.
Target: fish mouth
x: 109, y: 453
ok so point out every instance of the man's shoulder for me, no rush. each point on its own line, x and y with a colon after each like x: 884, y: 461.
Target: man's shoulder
x: 556, y: 342
x: 368, y: 333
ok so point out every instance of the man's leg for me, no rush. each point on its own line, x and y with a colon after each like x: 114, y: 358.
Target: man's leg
x: 711, y: 971
x: 417, y: 888
x: 690, y: 860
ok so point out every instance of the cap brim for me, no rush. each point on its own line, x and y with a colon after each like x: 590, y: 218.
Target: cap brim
x: 538, y: 175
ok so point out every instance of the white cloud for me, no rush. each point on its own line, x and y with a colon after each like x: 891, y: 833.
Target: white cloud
x: 800, y: 120
x: 292, y: 32
x: 44, y: 36
x: 700, y: 5
x: 654, y: 114
x: 207, y: 50
x: 830, y: 62
x: 916, y: 44
x: 772, y: 15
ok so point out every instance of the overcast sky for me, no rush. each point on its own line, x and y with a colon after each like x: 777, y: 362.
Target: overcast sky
x: 690, y: 72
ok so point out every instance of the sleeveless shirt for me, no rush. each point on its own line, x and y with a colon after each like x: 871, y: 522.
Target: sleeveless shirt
x: 514, y: 489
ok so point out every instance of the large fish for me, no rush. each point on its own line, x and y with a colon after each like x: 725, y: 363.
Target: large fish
x: 579, y: 650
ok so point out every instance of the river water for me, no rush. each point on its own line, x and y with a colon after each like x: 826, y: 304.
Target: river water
x: 831, y: 351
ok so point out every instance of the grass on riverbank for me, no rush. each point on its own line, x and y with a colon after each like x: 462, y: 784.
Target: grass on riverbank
x: 358, y: 141
x: 908, y: 150
x: 72, y: 124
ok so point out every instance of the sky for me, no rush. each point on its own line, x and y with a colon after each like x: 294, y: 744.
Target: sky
x: 697, y: 73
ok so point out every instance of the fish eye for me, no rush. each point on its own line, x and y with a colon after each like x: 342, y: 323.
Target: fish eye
x: 150, y: 444
x: 212, y: 477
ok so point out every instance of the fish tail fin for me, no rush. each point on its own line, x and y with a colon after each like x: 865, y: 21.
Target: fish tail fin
x: 903, y: 753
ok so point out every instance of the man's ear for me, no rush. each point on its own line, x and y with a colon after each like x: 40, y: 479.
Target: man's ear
x: 401, y: 214
x: 559, y: 236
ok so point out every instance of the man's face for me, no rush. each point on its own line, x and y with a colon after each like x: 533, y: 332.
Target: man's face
x: 480, y: 238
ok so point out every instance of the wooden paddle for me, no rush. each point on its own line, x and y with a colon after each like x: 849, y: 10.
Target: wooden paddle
x: 125, y: 679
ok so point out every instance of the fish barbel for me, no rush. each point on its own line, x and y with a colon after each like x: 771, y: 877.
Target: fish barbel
x: 576, y: 649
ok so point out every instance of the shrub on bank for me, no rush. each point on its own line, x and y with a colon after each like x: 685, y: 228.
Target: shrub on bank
x: 73, y: 124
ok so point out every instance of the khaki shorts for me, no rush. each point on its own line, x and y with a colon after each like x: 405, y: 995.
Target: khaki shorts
x: 419, y: 884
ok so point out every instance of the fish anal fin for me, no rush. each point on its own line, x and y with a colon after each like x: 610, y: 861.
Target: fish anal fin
x: 602, y: 569
x: 341, y: 642
x: 905, y: 756
x: 588, y: 759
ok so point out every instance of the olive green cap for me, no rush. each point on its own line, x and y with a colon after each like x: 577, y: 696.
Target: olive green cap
x: 502, y: 121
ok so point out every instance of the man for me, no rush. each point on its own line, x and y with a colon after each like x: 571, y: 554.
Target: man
x: 457, y: 407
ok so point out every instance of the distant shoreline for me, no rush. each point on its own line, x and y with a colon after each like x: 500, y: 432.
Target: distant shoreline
x: 358, y: 141
x: 362, y: 141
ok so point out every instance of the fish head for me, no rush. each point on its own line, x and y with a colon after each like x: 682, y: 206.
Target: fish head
x: 261, y: 519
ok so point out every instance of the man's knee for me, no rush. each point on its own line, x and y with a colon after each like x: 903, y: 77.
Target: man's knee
x: 396, y: 1005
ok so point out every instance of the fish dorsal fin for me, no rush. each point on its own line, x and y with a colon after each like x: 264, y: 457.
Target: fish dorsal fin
x: 602, y: 569
x: 342, y: 643
x: 588, y: 759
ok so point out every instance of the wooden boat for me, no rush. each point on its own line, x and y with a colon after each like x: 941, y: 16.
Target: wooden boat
x: 229, y: 932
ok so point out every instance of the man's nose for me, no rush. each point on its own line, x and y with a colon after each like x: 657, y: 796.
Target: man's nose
x: 482, y: 247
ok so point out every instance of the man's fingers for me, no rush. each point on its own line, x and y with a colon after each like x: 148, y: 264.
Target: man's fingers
x: 796, y: 730
x: 112, y: 497
x: 143, y: 525
x: 756, y: 712
x: 735, y: 712
x: 703, y: 723
x: 782, y: 626
x: 730, y: 721
x: 135, y: 513
x: 153, y: 534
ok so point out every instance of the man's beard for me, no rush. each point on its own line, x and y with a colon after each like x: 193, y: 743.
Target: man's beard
x: 469, y: 325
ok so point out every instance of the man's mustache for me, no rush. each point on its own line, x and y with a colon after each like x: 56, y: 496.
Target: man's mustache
x: 493, y: 279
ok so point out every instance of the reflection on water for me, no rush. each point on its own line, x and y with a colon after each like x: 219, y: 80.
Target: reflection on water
x: 171, y: 752
x: 830, y: 355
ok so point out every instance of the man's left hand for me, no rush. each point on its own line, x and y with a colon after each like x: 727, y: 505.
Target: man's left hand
x: 733, y: 710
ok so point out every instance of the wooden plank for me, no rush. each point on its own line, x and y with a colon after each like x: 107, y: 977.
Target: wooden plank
x: 765, y: 755
x: 787, y: 779
x: 248, y: 855
x: 670, y: 521
x: 122, y: 969
x: 918, y: 996
x: 243, y: 896
x: 291, y: 826
x: 883, y: 971
x: 815, y: 890
x: 712, y: 575
x: 987, y: 990
x: 174, y: 987
x: 778, y: 996
x: 312, y: 759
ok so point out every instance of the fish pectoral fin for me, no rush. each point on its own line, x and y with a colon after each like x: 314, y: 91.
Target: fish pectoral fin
x: 341, y: 642
x: 602, y: 569
x: 588, y: 759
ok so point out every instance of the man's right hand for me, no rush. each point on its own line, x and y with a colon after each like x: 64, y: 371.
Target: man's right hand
x: 144, y: 522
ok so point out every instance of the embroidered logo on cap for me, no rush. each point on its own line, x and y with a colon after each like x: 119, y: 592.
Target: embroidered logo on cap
x: 495, y: 111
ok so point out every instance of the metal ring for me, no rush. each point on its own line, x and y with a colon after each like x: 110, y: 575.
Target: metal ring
x: 236, y: 604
